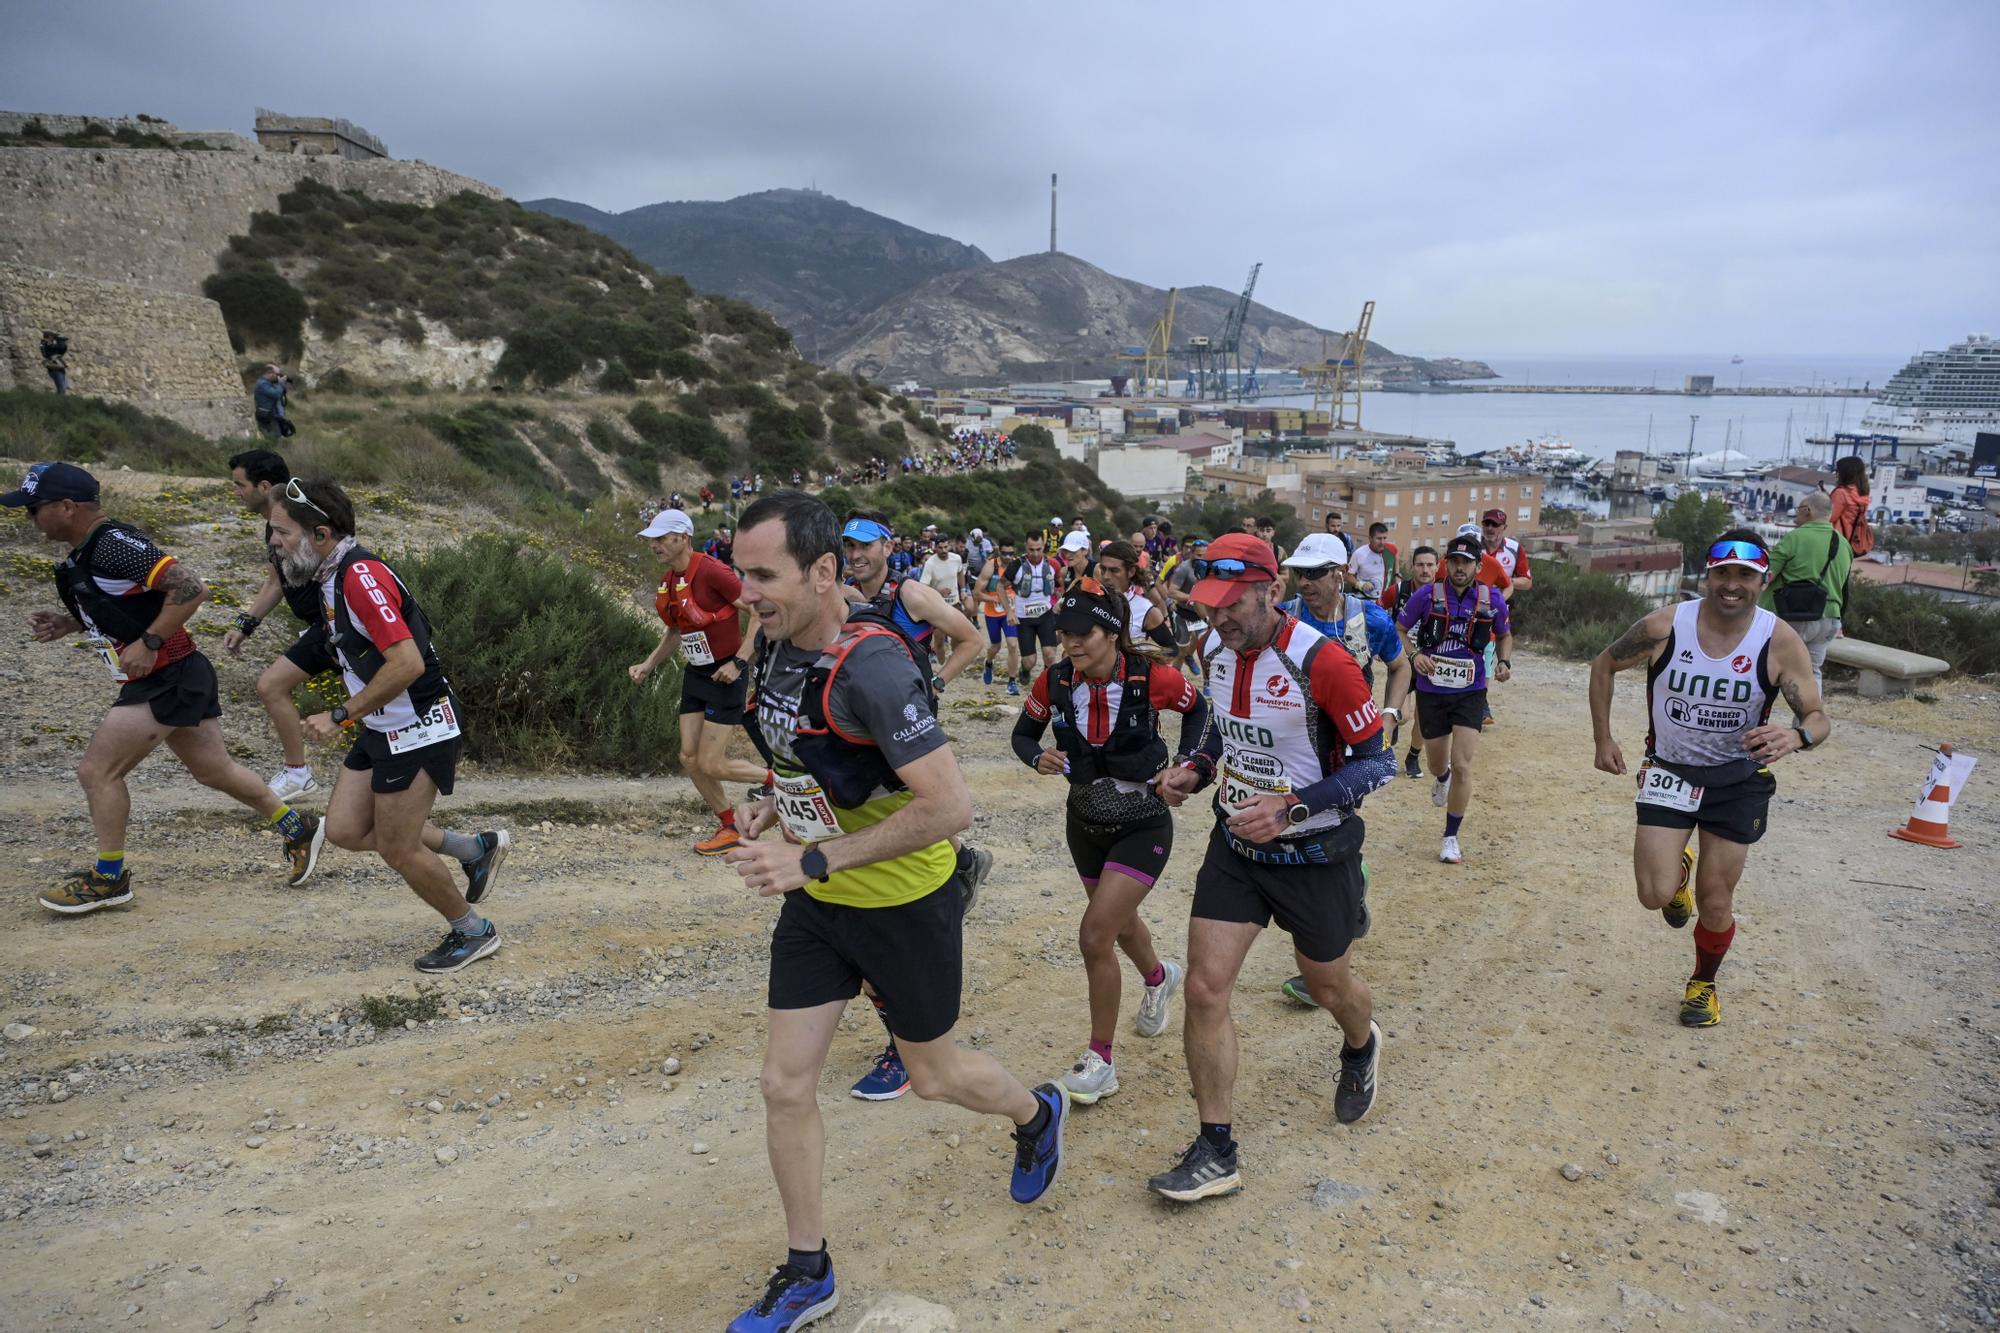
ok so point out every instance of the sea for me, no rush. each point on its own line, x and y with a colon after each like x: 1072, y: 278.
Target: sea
x: 1602, y: 424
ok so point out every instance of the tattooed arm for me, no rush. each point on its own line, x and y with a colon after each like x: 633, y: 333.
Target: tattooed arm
x: 184, y: 593
x: 1637, y: 646
x: 1791, y: 669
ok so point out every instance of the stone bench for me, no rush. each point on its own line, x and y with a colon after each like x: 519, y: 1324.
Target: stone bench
x: 1885, y: 672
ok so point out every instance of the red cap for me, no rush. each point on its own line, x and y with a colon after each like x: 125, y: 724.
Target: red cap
x: 1260, y: 566
x: 1498, y: 516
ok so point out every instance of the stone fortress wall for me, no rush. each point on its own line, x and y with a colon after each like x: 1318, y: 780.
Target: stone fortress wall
x: 110, y: 220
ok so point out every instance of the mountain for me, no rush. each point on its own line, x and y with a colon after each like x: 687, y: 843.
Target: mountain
x: 815, y: 262
x: 1049, y: 315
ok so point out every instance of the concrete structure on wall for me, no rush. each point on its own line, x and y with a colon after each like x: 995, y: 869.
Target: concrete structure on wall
x: 1143, y: 471
x: 160, y: 351
x: 317, y: 136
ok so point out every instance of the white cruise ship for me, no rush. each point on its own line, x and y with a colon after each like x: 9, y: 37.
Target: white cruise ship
x: 1946, y: 395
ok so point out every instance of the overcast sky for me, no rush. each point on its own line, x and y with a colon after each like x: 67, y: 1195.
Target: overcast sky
x: 1500, y: 179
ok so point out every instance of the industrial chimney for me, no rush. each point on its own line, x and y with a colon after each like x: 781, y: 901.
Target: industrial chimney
x: 1052, y: 212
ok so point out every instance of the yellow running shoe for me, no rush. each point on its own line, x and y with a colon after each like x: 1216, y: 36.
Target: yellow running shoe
x: 1699, y: 1008
x: 1680, y: 908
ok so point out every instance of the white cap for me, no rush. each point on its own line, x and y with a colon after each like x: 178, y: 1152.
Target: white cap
x: 1056, y: 522
x: 1468, y: 530
x: 1317, y: 549
x: 1076, y: 541
x: 669, y: 520
x: 977, y: 532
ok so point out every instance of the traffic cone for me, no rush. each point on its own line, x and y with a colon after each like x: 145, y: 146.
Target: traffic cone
x: 1929, y: 822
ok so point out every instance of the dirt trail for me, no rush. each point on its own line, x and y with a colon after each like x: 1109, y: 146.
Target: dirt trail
x: 255, y: 1151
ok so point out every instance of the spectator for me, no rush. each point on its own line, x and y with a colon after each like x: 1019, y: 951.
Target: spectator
x: 55, y: 348
x: 269, y: 398
x: 1808, y: 580
x: 1850, y: 504
x: 1370, y: 568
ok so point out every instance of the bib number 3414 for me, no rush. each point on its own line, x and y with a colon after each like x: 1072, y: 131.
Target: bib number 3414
x: 1668, y: 790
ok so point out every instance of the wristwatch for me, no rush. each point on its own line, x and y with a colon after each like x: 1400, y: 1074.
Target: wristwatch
x: 339, y: 715
x: 247, y: 623
x: 1805, y: 741
x: 153, y: 641
x: 813, y: 863
x: 1507, y: 662
x: 1298, y: 814
x: 1396, y: 713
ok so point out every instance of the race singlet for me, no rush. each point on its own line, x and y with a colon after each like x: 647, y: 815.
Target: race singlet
x: 804, y: 809
x: 1667, y: 790
x: 439, y: 724
x: 695, y: 650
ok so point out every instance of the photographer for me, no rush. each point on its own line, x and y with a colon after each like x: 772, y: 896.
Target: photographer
x: 54, y: 348
x: 269, y: 396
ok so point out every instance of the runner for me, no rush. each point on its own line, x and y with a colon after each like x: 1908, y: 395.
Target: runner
x: 1076, y: 557
x: 1105, y: 701
x: 868, y: 790
x: 1038, y: 582
x: 996, y: 607
x: 405, y: 751
x: 1714, y: 667
x: 1453, y: 620
x: 1373, y: 565
x: 259, y: 475
x: 132, y: 601
x: 1146, y: 618
x: 1506, y: 553
x: 1299, y: 743
x: 697, y: 601
x: 1187, y: 570
x: 1423, y: 571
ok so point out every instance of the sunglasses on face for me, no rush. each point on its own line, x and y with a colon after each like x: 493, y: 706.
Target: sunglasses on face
x: 297, y: 495
x: 1315, y: 575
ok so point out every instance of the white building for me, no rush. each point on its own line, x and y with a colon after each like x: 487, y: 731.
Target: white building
x: 1151, y: 471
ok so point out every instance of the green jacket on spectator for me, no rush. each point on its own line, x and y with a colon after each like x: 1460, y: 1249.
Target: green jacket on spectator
x: 1799, y: 557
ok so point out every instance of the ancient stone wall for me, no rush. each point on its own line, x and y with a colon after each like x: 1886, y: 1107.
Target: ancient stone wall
x: 158, y: 217
x: 165, y: 352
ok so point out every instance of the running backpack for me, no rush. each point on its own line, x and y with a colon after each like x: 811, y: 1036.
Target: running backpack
x: 1436, y: 624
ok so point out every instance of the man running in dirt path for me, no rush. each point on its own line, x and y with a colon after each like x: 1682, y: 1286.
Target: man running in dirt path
x: 1714, y: 667
x: 132, y: 602
x: 855, y: 837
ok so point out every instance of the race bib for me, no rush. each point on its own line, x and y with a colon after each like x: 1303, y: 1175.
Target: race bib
x: 1667, y: 790
x: 107, y: 653
x: 440, y: 724
x: 1032, y: 607
x: 804, y: 810
x: 695, y: 650
x: 1239, y: 788
x: 1452, y: 673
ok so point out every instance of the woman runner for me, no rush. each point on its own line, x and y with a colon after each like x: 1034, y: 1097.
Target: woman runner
x: 1118, y: 566
x: 1105, y: 700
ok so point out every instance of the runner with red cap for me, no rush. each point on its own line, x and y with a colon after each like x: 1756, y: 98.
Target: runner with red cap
x: 1297, y: 743
x: 1714, y: 667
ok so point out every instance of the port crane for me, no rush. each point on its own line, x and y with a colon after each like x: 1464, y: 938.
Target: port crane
x: 1226, y: 354
x: 1336, y: 382
x: 1151, y: 358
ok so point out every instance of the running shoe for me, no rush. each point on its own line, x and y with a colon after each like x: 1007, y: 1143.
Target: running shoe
x: 1038, y: 1157
x: 974, y: 865
x: 285, y: 784
x: 1449, y: 852
x: 1680, y: 908
x: 1295, y: 990
x: 1201, y: 1173
x: 1090, y: 1078
x: 886, y: 1079
x: 304, y: 850
x: 986, y: 677
x: 87, y: 891
x: 1441, y: 791
x: 1699, y: 1007
x: 1354, y: 1096
x: 1486, y: 718
x: 1014, y: 688
x: 1151, y: 1020
x: 757, y: 793
x: 791, y: 1300
x: 1413, y: 765
x: 457, y: 949
x: 724, y: 839
x: 483, y: 874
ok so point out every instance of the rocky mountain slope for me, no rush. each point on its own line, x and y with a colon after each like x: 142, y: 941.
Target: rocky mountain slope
x: 815, y: 262
x: 1056, y: 314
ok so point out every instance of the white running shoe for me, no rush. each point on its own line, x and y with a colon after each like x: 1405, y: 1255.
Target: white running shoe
x: 288, y: 783
x: 1092, y: 1077
x: 1440, y: 792
x: 1449, y: 853
x: 1151, y: 1020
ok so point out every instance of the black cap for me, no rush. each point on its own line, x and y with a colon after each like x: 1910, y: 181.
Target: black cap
x: 1081, y: 612
x: 1469, y: 547
x: 48, y: 482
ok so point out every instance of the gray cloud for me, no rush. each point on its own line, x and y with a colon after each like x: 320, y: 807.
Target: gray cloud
x: 1780, y: 177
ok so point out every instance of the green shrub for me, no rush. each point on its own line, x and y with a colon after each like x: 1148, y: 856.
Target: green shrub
x: 615, y: 378
x: 537, y: 652
x: 258, y: 305
x: 1968, y: 637
x: 1574, y: 613
x: 76, y: 428
x: 893, y: 432
x: 484, y: 435
x: 674, y: 433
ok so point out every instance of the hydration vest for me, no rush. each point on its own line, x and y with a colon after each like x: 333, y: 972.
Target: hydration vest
x: 121, y: 619
x: 1134, y: 751
x: 888, y: 604
x: 1436, y: 625
x: 363, y: 658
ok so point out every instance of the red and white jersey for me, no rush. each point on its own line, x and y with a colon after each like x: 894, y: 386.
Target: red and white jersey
x: 1286, y: 714
x: 374, y: 598
x: 1511, y: 557
x: 1098, y: 701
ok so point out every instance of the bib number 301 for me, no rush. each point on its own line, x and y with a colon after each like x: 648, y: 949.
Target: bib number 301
x: 1668, y: 790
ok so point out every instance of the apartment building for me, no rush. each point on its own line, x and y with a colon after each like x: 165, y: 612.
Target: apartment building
x: 1420, y: 507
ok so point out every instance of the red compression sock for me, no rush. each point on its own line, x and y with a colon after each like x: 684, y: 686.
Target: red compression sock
x: 1709, y: 946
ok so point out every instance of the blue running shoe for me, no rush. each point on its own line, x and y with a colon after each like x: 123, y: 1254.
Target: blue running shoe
x: 790, y: 1300
x: 885, y: 1081
x: 1014, y: 688
x: 987, y: 676
x: 1038, y: 1157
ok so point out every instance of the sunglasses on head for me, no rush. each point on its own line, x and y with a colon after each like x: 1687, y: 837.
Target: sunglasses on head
x: 1738, y: 550
x: 296, y: 494
x: 1229, y: 568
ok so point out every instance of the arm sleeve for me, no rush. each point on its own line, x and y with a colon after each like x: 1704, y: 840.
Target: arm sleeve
x: 375, y: 602
x: 1371, y: 765
x: 1342, y: 693
x: 880, y: 695
x: 1028, y: 732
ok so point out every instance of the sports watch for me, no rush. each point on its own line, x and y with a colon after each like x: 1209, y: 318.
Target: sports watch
x: 1805, y: 741
x: 813, y: 863
x: 339, y: 715
x: 153, y: 641
x: 1298, y: 814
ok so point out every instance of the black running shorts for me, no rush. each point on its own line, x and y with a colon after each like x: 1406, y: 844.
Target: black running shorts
x: 312, y: 651
x: 1738, y: 812
x: 390, y: 773
x: 1139, y: 850
x: 913, y: 954
x: 1314, y: 893
x: 1039, y: 632
x: 718, y: 703
x: 181, y: 694
x: 1437, y: 714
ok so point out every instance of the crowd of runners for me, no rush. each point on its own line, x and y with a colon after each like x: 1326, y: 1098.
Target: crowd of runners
x: 827, y: 638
